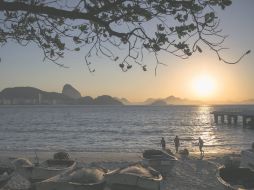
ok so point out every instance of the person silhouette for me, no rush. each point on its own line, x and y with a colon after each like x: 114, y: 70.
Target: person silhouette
x: 200, y: 145
x: 163, y: 143
x: 177, y: 143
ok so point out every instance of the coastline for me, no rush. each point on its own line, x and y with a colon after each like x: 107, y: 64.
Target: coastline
x: 88, y: 157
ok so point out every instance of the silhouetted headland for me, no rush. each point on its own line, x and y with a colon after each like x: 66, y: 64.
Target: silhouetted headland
x: 34, y: 96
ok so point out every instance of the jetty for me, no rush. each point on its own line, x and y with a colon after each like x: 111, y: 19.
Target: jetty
x: 232, y: 117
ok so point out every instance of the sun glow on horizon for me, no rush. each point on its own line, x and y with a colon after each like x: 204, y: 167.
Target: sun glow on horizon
x: 204, y: 86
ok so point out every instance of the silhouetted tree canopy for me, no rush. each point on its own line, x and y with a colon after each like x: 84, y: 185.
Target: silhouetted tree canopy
x: 100, y: 26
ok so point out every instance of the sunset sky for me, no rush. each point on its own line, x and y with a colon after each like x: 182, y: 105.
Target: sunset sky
x: 201, y: 77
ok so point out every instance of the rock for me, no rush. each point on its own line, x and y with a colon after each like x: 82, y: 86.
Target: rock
x: 71, y: 92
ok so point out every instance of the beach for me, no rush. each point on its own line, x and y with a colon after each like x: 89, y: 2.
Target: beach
x: 192, y: 172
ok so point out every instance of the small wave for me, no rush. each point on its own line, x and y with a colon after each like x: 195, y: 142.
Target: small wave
x: 228, y: 145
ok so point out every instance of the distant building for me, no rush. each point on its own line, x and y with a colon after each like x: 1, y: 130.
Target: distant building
x: 39, y: 98
x: 6, y: 102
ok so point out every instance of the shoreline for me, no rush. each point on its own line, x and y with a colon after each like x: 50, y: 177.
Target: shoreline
x: 114, y: 159
x: 99, y: 156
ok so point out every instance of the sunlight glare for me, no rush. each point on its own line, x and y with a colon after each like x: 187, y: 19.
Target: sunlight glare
x: 204, y: 86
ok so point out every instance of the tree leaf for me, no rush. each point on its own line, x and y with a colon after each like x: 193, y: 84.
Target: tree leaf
x: 121, y: 65
x: 248, y: 52
x: 199, y: 49
x: 129, y: 66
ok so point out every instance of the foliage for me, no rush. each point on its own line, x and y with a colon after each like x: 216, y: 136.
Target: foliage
x: 98, y: 27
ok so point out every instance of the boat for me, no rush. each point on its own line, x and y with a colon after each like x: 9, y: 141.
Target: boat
x: 44, y: 170
x: 134, y: 177
x: 76, y: 179
x: 236, y: 178
x: 159, y: 160
x: 247, y: 158
x: 238, y: 174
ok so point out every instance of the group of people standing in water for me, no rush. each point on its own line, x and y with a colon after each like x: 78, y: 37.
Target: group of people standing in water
x: 177, y: 144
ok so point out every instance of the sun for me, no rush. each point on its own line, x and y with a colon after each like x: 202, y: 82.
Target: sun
x: 204, y: 86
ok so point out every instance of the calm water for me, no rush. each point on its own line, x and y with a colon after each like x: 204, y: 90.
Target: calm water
x: 113, y: 128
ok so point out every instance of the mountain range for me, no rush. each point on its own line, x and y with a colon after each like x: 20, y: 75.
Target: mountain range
x: 172, y: 100
x: 69, y: 95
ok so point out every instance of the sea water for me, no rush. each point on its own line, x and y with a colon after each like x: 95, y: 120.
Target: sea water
x: 118, y: 128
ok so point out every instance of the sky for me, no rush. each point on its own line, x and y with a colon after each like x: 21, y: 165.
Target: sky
x: 201, y: 77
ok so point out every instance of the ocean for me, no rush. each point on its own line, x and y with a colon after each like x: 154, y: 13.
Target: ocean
x: 118, y: 128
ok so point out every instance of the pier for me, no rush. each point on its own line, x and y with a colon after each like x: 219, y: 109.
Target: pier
x: 231, y: 117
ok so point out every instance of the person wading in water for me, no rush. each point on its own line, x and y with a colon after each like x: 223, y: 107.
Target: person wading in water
x: 200, y: 145
x: 163, y: 143
x: 177, y: 143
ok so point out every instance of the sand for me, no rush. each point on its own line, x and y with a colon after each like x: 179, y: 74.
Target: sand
x: 191, y: 173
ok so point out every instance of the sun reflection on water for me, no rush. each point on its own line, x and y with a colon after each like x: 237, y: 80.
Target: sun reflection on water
x: 205, y: 131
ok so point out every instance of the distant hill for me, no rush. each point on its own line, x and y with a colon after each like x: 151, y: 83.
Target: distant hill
x: 71, y: 92
x: 106, y: 100
x: 124, y: 101
x: 159, y: 103
x: 87, y: 100
x: 149, y: 101
x: 100, y: 100
x: 71, y: 96
x: 20, y: 92
x: 249, y: 101
x: 30, y: 95
x: 171, y: 100
x: 180, y: 101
